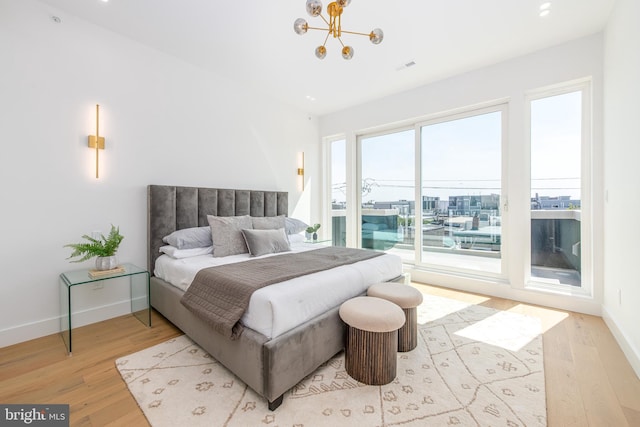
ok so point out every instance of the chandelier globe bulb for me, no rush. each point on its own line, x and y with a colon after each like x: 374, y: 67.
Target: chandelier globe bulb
x: 376, y: 36
x: 321, y: 52
x: 347, y: 52
x: 314, y: 7
x: 300, y: 26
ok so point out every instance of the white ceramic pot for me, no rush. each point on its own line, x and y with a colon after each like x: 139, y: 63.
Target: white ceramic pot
x: 106, y: 262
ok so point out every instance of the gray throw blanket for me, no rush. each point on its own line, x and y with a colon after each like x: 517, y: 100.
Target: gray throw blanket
x: 220, y: 295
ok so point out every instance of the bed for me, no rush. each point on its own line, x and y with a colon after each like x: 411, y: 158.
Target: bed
x: 270, y: 362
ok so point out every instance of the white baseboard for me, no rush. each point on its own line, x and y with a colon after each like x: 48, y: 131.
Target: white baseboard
x: 41, y: 328
x: 503, y: 290
x: 629, y: 350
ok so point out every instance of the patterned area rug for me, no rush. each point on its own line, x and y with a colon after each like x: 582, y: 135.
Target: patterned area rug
x: 474, y: 366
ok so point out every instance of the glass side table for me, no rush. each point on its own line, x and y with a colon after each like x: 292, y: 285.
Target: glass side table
x: 325, y: 242
x: 138, y: 286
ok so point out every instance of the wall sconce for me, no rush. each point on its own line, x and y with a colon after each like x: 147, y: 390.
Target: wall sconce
x: 301, y: 170
x: 96, y: 141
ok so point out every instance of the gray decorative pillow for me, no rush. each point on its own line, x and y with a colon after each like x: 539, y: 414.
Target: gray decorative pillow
x: 268, y: 222
x: 189, y: 238
x: 262, y: 242
x: 227, y: 235
x: 294, y: 226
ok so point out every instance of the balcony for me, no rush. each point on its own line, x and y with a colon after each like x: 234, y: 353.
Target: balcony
x: 462, y: 242
x: 555, y: 246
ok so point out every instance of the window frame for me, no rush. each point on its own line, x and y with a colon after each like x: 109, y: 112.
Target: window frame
x: 498, y: 106
x: 327, y: 162
x: 388, y: 130
x: 585, y: 86
x: 515, y: 192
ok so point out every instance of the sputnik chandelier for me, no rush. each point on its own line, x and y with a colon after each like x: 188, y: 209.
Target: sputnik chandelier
x: 314, y: 8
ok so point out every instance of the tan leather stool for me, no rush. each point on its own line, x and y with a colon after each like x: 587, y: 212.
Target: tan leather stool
x: 372, y: 339
x: 408, y: 299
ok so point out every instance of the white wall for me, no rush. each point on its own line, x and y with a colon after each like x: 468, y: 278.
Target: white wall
x: 507, y: 80
x: 622, y: 151
x: 165, y: 122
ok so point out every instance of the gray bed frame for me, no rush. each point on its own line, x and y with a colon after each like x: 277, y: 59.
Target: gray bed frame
x: 268, y: 366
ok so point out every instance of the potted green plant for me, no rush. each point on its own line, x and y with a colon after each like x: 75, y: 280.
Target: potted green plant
x: 104, y: 249
x: 312, y: 230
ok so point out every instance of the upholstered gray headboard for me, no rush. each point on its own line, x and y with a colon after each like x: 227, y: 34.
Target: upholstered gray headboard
x: 171, y: 208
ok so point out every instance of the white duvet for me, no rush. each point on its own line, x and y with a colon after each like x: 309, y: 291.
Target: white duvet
x: 275, y: 309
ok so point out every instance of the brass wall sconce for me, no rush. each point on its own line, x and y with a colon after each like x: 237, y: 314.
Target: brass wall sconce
x: 96, y: 141
x: 301, y: 170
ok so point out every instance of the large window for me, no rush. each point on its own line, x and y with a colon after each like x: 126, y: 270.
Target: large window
x: 435, y: 191
x: 556, y: 189
x: 461, y: 192
x: 338, y: 164
x: 387, y: 190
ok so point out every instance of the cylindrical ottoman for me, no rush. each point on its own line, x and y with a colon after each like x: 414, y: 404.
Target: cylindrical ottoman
x: 372, y: 339
x: 408, y: 299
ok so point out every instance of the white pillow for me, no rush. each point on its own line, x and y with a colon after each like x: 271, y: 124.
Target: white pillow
x: 188, y: 238
x: 174, y: 252
x: 294, y: 226
x: 296, y: 238
x: 262, y: 242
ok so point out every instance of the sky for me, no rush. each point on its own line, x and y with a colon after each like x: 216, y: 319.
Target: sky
x: 463, y: 156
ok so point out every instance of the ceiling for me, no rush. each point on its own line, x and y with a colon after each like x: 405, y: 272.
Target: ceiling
x: 253, y: 42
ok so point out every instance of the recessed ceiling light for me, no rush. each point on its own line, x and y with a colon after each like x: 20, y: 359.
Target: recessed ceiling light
x: 545, y: 8
x: 310, y: 98
x: 56, y: 19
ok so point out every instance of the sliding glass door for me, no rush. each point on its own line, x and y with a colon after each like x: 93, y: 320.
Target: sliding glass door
x: 387, y: 192
x: 461, y: 191
x: 457, y: 223
x: 435, y: 191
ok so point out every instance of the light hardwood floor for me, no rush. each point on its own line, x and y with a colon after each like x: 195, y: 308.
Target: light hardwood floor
x: 588, y: 380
